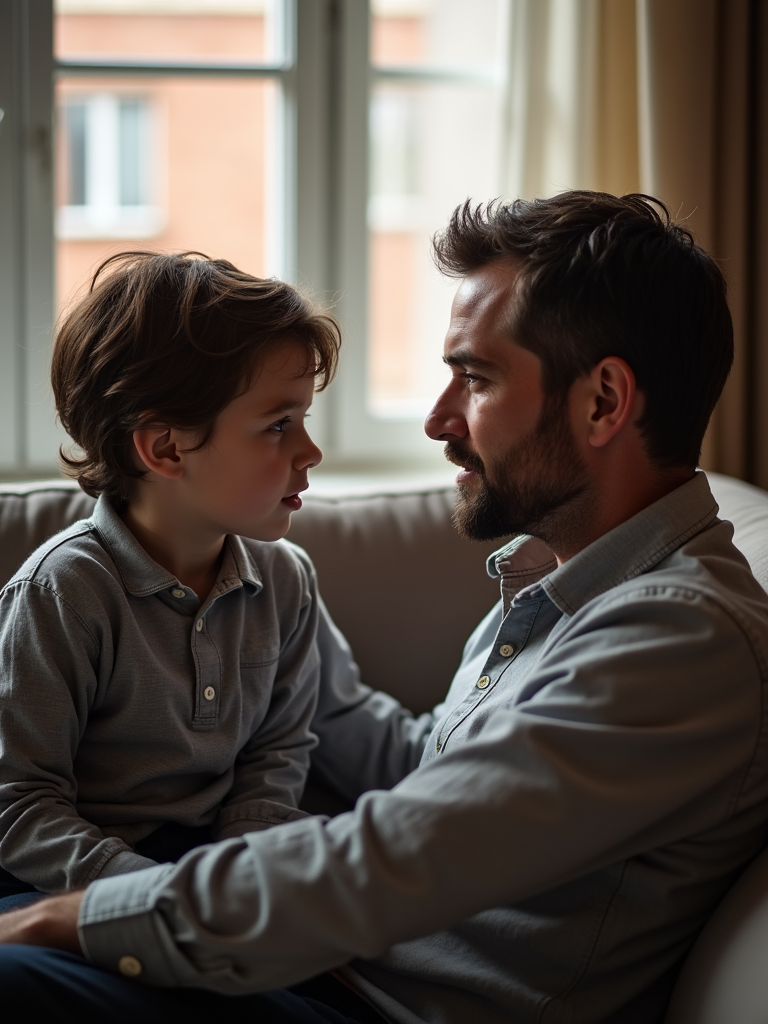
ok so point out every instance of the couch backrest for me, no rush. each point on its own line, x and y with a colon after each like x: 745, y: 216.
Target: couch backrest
x: 404, y: 588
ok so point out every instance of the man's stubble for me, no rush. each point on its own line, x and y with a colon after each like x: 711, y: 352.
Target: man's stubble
x: 540, y: 486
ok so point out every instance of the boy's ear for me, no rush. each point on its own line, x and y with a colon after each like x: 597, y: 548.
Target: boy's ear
x: 157, y: 450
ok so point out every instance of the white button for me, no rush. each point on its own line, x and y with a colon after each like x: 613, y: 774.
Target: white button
x: 178, y: 592
x: 506, y: 650
x: 199, y: 625
x: 129, y: 966
x: 209, y: 693
x: 483, y: 681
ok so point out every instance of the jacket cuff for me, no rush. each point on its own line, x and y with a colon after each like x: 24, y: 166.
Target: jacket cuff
x: 121, y: 932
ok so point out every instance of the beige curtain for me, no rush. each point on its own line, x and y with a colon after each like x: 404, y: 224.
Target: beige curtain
x: 669, y: 97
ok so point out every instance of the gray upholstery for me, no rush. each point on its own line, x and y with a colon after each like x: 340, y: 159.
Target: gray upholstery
x: 401, y: 584
x: 407, y: 592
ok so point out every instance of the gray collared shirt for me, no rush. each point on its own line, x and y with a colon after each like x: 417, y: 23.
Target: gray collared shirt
x: 593, y: 782
x: 124, y: 703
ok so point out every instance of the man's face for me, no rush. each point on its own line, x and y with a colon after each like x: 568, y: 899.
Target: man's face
x: 520, y: 463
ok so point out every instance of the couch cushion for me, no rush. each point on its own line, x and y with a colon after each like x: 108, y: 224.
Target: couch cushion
x: 401, y: 584
x: 379, y: 559
x: 747, y: 508
x: 725, y: 980
x: 30, y: 513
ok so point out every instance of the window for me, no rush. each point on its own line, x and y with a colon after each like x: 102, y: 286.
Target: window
x: 320, y: 140
x: 107, y: 166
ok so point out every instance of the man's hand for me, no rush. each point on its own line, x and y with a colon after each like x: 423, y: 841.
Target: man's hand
x: 51, y: 922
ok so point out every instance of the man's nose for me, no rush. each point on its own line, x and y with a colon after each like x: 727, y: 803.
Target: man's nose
x: 445, y: 422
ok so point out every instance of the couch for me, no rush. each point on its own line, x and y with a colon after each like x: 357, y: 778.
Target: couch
x: 407, y: 591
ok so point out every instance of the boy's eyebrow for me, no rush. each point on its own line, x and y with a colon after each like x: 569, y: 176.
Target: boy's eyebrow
x: 283, y: 407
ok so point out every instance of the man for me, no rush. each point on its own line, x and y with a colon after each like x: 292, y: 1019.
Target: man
x: 596, y: 777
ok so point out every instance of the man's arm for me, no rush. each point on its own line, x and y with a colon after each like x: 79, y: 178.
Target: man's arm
x: 610, y: 752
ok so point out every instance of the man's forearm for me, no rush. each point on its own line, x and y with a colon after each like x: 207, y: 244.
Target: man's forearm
x: 50, y: 922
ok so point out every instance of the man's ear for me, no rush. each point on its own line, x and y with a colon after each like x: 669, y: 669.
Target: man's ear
x: 613, y: 400
x: 157, y: 449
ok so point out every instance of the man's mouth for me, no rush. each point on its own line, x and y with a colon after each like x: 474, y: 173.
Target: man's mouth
x: 469, y: 463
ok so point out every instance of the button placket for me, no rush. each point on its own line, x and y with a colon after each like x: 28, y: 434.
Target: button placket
x: 207, y: 672
x: 510, y: 640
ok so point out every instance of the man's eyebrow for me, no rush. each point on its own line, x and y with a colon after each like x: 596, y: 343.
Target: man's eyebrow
x: 466, y: 358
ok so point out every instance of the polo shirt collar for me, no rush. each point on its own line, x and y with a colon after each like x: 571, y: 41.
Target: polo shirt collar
x: 141, y: 575
x: 623, y: 553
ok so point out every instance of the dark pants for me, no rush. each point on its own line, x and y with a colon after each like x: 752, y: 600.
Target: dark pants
x: 45, y: 984
x: 48, y: 985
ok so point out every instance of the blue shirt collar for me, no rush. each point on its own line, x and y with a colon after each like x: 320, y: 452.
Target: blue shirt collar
x: 628, y: 550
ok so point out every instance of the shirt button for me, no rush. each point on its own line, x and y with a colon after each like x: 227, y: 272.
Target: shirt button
x: 177, y: 592
x: 199, y: 625
x: 483, y: 681
x: 129, y: 966
x: 506, y: 650
x: 209, y: 693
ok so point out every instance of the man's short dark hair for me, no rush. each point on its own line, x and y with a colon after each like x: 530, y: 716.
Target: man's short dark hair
x: 605, y: 276
x: 169, y: 339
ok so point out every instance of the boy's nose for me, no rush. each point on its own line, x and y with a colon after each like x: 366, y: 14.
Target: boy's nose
x: 310, y: 455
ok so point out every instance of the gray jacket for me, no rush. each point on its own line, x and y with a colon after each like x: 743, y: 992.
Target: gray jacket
x: 595, y: 779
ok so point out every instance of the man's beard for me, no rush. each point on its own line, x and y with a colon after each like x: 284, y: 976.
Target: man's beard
x: 534, y: 480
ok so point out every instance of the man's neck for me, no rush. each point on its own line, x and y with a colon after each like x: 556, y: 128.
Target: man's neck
x: 601, y: 508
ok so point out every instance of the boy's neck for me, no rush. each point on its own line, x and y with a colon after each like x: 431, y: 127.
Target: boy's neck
x: 173, y: 538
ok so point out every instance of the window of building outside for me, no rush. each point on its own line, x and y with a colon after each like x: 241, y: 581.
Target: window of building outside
x: 161, y: 161
x: 320, y: 140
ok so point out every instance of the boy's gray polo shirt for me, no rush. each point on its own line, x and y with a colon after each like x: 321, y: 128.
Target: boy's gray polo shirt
x: 124, y: 703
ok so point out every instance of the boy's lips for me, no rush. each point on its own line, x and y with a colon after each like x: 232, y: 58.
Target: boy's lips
x: 293, y: 501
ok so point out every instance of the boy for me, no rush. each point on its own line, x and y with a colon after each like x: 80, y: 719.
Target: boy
x: 158, y: 664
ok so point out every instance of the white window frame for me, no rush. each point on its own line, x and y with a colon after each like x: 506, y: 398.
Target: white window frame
x: 323, y: 195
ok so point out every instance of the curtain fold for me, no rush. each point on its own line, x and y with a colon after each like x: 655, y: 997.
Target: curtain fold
x: 669, y: 97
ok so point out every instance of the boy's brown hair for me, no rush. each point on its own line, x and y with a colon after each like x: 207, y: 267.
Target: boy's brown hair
x: 169, y: 339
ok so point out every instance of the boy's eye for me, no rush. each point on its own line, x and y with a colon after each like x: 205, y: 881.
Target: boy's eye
x: 280, y: 425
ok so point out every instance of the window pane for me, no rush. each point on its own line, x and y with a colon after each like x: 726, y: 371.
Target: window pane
x: 175, y: 163
x: 432, y: 145
x: 74, y: 125
x: 230, y: 30
x: 166, y: 162
x: 440, y: 34
x: 135, y: 153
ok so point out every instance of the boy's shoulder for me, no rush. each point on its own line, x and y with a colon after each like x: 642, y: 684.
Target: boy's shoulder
x: 63, y: 557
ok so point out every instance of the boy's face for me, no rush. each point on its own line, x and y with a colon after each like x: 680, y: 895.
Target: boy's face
x: 247, y: 479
